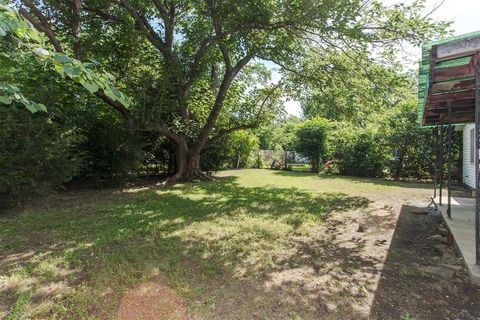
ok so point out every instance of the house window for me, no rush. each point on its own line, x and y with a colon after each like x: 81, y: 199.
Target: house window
x: 472, y: 145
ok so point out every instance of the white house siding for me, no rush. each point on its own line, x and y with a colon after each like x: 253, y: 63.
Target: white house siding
x: 468, y: 165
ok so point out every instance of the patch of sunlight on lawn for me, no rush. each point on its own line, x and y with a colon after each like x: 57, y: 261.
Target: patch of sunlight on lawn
x: 315, y: 183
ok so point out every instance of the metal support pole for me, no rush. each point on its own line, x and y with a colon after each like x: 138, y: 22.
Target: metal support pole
x: 435, y: 177
x: 449, y: 164
x: 477, y: 162
x: 441, y: 161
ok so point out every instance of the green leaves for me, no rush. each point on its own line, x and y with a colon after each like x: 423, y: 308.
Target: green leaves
x: 11, y: 93
x: 91, y: 87
x: 12, y: 22
x: 61, y: 58
x: 86, y: 74
x: 6, y: 99
x: 311, y: 140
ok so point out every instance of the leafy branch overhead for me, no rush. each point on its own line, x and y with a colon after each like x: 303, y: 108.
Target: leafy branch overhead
x: 10, y: 93
x: 87, y: 74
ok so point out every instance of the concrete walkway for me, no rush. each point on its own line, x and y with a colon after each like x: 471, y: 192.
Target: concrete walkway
x: 462, y: 227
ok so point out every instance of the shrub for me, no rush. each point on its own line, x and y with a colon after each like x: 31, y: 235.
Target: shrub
x: 110, y: 149
x: 234, y: 151
x: 243, y: 144
x: 216, y: 157
x: 311, y: 141
x: 413, y: 148
x: 360, y: 152
x: 36, y: 155
x: 258, y: 162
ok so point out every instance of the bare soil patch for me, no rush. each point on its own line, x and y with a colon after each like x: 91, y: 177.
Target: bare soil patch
x: 152, y: 300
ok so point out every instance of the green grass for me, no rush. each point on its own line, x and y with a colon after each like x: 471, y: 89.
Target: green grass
x: 75, y: 255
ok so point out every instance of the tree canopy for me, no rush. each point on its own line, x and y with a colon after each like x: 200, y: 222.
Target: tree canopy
x: 191, y: 67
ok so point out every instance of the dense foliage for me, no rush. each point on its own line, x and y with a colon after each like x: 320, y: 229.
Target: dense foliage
x: 36, y: 155
x: 198, y: 80
x: 243, y: 144
x: 372, y: 106
x: 311, y: 141
x: 359, y: 151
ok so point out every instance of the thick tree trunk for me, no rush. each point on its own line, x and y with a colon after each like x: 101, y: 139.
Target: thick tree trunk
x: 187, y: 164
x: 181, y: 157
x: 193, y: 166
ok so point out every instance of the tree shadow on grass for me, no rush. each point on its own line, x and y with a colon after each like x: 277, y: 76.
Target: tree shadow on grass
x: 218, y: 244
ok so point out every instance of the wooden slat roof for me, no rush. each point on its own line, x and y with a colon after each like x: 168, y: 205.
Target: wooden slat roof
x: 447, y: 74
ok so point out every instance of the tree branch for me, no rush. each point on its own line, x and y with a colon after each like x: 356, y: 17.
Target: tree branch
x: 162, y: 9
x: 168, y: 17
x: 146, y: 28
x: 77, y: 46
x: 242, y: 63
x: 228, y: 77
x: 102, y: 15
x: 218, y: 30
x: 201, y: 52
x: 119, y: 107
x: 167, y: 133
x: 222, y: 134
x: 40, y: 22
x: 252, y: 125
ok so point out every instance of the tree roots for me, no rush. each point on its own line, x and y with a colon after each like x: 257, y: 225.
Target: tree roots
x: 196, y: 176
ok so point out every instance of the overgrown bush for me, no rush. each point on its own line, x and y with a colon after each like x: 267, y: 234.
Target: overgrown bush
x: 311, y: 141
x: 36, y: 155
x: 110, y: 149
x: 216, y: 157
x: 236, y: 150
x: 360, y: 152
x: 412, y: 147
x: 258, y: 161
x: 242, y: 145
x: 393, y: 146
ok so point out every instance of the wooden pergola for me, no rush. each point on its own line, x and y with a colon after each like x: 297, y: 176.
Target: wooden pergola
x: 449, y: 95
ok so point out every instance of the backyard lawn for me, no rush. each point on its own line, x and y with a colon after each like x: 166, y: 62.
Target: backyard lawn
x: 257, y: 244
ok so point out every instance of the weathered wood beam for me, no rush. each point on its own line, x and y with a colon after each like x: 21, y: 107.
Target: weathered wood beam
x: 443, y: 109
x: 456, y: 48
x: 457, y: 56
x: 453, y: 96
x: 452, y: 73
x: 457, y: 85
x: 455, y: 105
x: 456, y: 118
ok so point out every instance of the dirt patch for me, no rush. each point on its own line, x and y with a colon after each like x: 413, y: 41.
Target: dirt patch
x: 152, y: 300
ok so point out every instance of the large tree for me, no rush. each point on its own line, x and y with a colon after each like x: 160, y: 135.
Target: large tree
x: 186, y: 56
